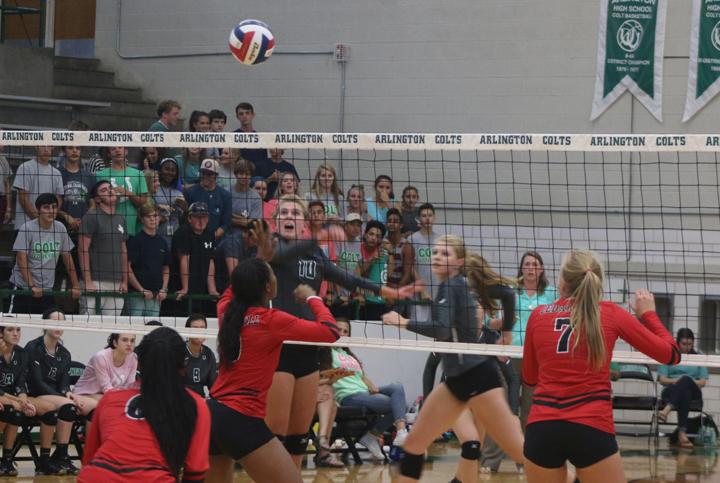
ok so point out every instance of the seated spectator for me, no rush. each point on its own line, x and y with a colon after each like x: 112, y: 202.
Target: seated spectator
x: 408, y: 210
x: 373, y: 265
x: 325, y: 188
x: 260, y: 186
x: 356, y: 202
x: 246, y: 203
x: 189, y: 165
x: 103, y: 253
x: 382, y: 200
x: 200, y: 364
x: 401, y: 256
x: 113, y: 367
x: 316, y: 227
x: 683, y: 384
x: 193, y: 266
x: 226, y: 167
x: 130, y: 187
x: 348, y: 255
x: 359, y: 391
x: 14, y: 366
x: 326, y: 411
x: 199, y: 121
x: 169, y: 200
x: 34, y: 177
x: 150, y: 156
x: 149, y: 259
x: 273, y: 168
x: 217, y: 200
x: 38, y: 246
x: 218, y: 119
x: 49, y: 378
x: 5, y: 190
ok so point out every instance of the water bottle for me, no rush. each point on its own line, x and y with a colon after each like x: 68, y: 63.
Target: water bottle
x: 708, y: 436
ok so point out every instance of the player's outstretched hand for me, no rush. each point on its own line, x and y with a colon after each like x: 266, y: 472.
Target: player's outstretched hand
x: 260, y: 235
x: 644, y: 301
x: 393, y: 318
x: 302, y: 292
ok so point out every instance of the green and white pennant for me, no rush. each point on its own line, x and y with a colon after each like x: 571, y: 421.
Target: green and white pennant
x: 631, y: 41
x: 704, y: 69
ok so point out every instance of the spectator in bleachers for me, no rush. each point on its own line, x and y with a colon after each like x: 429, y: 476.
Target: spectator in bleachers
x: 234, y: 248
x: 113, y: 367
x: 218, y: 119
x: 348, y: 255
x: 201, y: 366
x: 14, y: 367
x: 49, y: 381
x: 326, y: 411
x: 272, y: 169
x: 316, y: 226
x: 34, y: 177
x: 77, y: 183
x: 169, y: 200
x: 246, y: 202
x: 373, y: 265
x: 129, y: 185
x: 245, y: 113
x: 99, y: 162
x: 38, y: 246
x: 149, y: 259
x: 269, y: 207
x: 401, y: 256
x: 226, y: 168
x: 382, y: 201
x: 193, y: 265
x: 408, y: 210
x: 199, y: 121
x: 325, y: 188
x: 5, y: 190
x: 217, y: 199
x: 103, y: 253
x: 360, y: 392
x: 423, y: 241
x: 150, y: 158
x: 189, y: 165
x: 683, y: 385
x: 169, y: 113
x: 356, y: 202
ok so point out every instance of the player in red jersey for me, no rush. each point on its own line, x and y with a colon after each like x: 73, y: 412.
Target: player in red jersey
x: 567, y: 354
x: 157, y: 432
x: 250, y: 339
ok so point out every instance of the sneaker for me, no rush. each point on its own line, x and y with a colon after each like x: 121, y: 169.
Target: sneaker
x: 67, y: 465
x: 48, y: 468
x: 8, y: 468
x: 400, y: 437
x: 373, y: 445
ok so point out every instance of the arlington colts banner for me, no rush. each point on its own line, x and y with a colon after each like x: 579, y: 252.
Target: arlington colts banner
x: 630, y: 53
x: 704, y: 69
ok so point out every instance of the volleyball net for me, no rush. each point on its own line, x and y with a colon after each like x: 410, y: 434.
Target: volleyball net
x: 646, y: 204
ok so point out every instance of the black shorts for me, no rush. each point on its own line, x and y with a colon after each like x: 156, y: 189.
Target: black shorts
x: 550, y: 443
x: 234, y: 434
x: 298, y: 360
x: 475, y: 381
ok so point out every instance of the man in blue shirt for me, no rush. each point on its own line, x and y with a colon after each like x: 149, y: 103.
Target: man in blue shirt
x: 217, y: 198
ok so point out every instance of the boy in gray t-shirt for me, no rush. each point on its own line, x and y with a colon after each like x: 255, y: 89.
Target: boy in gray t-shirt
x: 33, y: 178
x: 423, y: 242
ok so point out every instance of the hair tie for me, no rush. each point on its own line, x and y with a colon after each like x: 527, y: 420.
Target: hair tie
x: 588, y: 270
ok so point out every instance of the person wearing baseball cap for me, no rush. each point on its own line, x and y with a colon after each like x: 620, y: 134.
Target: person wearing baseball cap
x: 217, y: 199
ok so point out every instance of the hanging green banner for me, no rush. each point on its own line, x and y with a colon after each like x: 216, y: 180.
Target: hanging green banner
x: 704, y: 69
x: 630, y: 52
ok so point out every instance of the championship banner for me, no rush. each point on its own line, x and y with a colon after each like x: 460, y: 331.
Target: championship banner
x: 704, y: 69
x: 630, y: 54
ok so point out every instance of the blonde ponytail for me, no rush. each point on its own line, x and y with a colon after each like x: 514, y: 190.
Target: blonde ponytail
x: 478, y: 271
x: 583, y: 277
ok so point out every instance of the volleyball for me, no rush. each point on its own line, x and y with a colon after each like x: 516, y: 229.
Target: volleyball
x: 251, y: 42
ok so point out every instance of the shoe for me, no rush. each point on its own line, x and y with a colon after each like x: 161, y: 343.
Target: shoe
x: 400, y: 437
x: 373, y: 445
x: 8, y: 468
x: 48, y: 468
x: 327, y: 460
x: 66, y: 464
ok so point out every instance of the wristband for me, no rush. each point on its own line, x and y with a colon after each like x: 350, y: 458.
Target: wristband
x: 313, y: 297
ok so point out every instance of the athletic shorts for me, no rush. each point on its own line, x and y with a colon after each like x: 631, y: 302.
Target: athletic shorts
x: 550, y: 443
x: 234, y: 434
x: 475, y: 381
x: 298, y: 360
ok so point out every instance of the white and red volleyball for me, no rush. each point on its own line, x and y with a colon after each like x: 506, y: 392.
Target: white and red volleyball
x: 251, y: 42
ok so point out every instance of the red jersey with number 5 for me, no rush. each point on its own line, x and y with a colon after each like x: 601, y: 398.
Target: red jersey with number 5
x: 566, y: 387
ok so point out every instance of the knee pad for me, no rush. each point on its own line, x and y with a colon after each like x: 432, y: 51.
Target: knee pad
x: 67, y: 412
x: 455, y: 480
x: 90, y: 416
x: 50, y: 418
x: 296, y: 444
x: 411, y: 465
x: 470, y: 450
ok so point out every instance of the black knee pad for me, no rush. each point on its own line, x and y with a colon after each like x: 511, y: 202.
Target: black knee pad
x: 470, y: 450
x: 455, y: 480
x: 296, y: 444
x: 67, y: 412
x: 50, y: 418
x: 411, y: 465
x: 90, y: 416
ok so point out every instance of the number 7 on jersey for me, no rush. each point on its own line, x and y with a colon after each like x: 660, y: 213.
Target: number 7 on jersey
x: 563, y: 326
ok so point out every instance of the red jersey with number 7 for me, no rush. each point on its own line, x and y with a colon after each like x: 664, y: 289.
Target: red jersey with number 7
x: 567, y: 388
